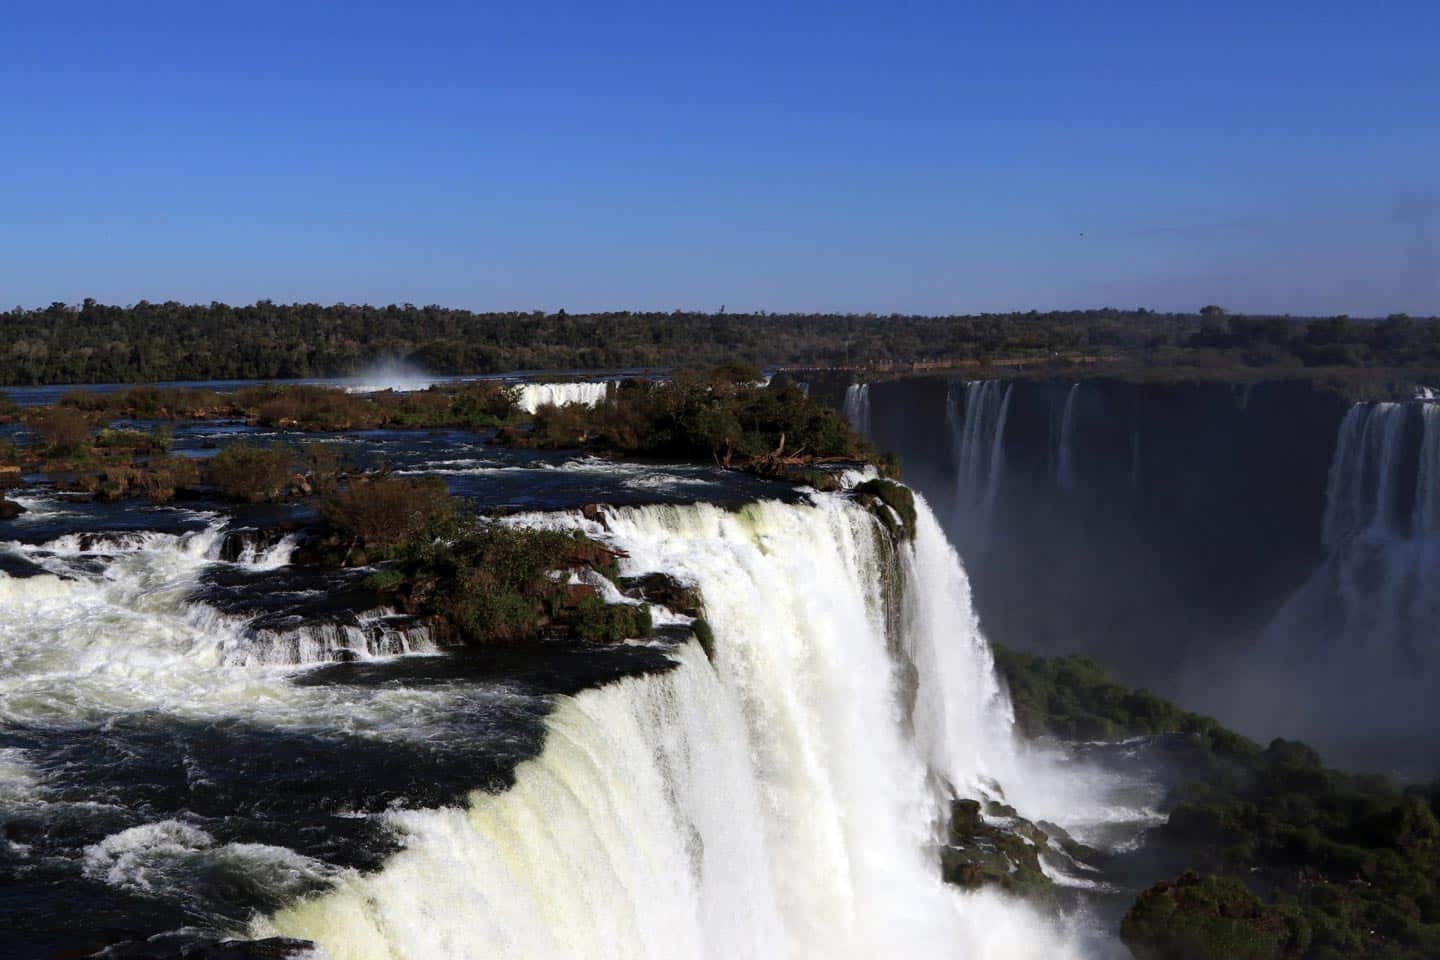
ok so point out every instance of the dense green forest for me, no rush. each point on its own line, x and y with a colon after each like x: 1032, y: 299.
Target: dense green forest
x: 95, y: 343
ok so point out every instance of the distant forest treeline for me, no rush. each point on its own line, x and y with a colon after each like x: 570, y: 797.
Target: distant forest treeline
x: 96, y: 343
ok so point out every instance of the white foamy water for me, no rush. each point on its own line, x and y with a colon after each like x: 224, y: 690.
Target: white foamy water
x: 779, y: 802
x: 169, y: 855
x: 94, y: 640
x: 532, y: 396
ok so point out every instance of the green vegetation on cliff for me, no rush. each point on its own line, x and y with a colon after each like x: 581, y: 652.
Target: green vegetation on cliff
x: 1072, y: 698
x: 1205, y: 918
x: 893, y: 503
x: 1332, y: 864
x: 481, y: 582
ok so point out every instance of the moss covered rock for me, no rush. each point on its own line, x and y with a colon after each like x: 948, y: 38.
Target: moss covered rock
x: 893, y: 503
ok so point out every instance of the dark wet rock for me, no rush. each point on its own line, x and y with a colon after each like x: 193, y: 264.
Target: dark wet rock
x: 237, y: 543
x: 666, y: 591
x: 18, y: 567
x: 704, y: 636
x: 171, y: 947
x: 595, y: 513
x: 893, y: 504
x: 991, y: 844
x: 9, y: 509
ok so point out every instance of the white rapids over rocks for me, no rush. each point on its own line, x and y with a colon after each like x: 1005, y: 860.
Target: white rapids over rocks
x: 88, y: 641
x: 780, y: 802
x: 532, y: 396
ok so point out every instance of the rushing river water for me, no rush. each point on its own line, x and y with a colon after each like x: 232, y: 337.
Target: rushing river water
x: 201, y: 742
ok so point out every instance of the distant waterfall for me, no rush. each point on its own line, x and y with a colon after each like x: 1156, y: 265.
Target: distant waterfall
x: 775, y: 803
x: 1135, y: 475
x: 857, y: 407
x: 532, y: 396
x: 1065, y: 462
x: 977, y: 415
x: 1368, y: 620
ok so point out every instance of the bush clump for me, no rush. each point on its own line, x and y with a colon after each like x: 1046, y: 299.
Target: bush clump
x: 388, y: 517
x: 157, y: 479
x: 65, y: 431
x: 507, y: 584
x: 135, y: 441
x: 1208, y: 918
x: 250, y: 473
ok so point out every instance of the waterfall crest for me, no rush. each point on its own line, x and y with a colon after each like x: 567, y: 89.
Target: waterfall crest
x: 774, y: 803
x: 532, y: 396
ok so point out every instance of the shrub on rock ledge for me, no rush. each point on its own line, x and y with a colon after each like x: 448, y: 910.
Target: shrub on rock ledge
x: 391, y: 516
x: 254, y: 474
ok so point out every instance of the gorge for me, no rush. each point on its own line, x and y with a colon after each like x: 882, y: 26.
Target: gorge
x: 1261, y: 551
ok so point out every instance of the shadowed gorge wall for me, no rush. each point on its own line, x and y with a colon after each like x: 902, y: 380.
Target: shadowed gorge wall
x: 1156, y: 527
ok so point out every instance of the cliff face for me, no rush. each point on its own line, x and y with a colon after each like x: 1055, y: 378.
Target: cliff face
x: 1156, y: 527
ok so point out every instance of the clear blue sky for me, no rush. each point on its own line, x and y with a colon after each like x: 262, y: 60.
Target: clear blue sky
x: 929, y: 157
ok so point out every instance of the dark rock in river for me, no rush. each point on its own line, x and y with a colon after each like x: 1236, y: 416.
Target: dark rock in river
x: 665, y: 590
x: 9, y: 509
x: 165, y: 947
x: 994, y: 845
x: 18, y: 567
x: 250, y: 541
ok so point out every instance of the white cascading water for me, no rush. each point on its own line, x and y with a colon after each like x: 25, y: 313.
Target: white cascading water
x: 1362, y: 630
x: 977, y: 415
x: 86, y: 642
x: 532, y: 396
x: 773, y: 804
x: 1065, y: 459
x: 857, y: 407
x: 1379, y: 584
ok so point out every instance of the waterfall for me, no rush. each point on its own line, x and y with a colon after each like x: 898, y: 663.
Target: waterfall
x: 977, y: 415
x: 532, y: 396
x: 1362, y: 630
x: 857, y: 407
x: 1065, y: 461
x: 780, y: 801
